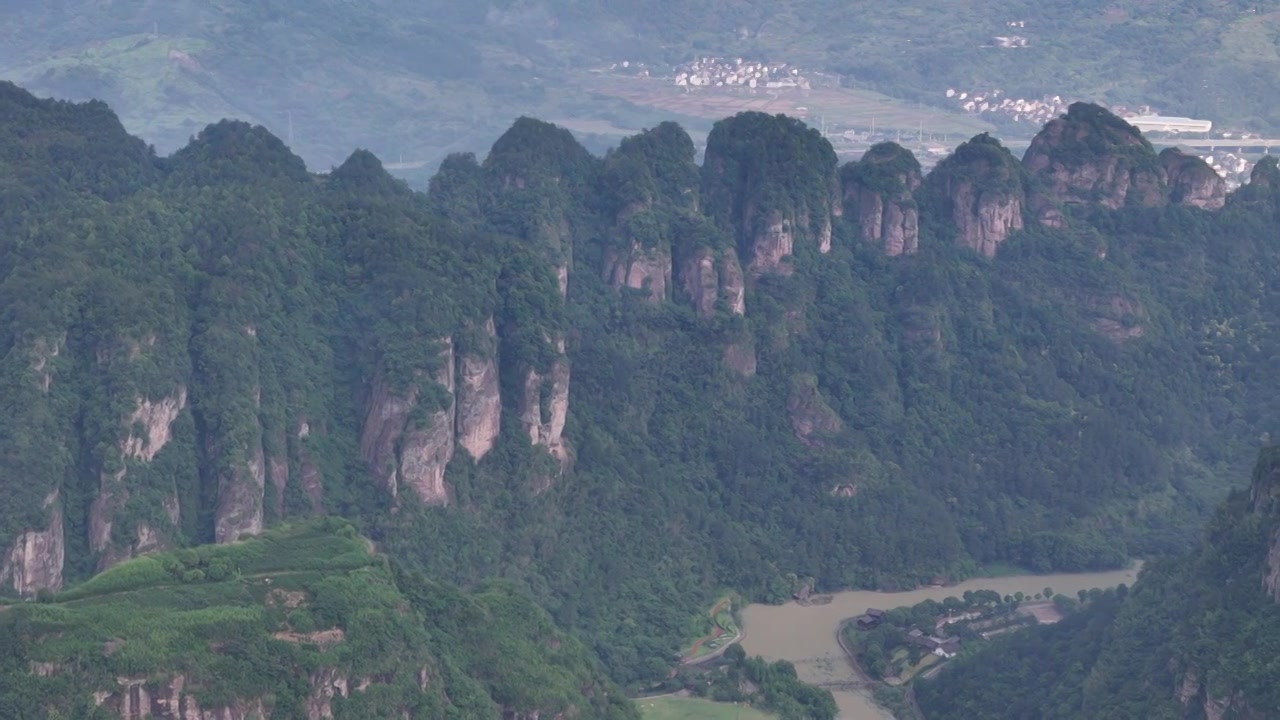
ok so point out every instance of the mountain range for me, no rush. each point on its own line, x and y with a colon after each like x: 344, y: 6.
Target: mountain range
x: 623, y: 383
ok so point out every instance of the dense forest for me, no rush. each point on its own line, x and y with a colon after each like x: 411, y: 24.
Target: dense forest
x: 1196, y: 636
x: 624, y: 383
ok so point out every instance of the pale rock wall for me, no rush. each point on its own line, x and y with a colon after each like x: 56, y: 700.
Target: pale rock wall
x: 397, y: 454
x: 734, y: 286
x: 240, y: 497
x: 427, y: 450
x: 984, y: 222
x: 1192, y: 182
x: 156, y: 419
x: 770, y: 245
x: 479, y: 399
x: 34, y: 562
x: 701, y: 282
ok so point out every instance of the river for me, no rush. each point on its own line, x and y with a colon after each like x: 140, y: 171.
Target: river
x: 806, y: 634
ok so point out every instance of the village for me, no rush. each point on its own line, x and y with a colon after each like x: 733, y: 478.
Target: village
x: 786, y: 86
x: 897, y: 645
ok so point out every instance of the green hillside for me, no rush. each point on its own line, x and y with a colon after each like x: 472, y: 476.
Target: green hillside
x: 623, y: 384
x: 1194, y: 637
x: 305, y: 619
x: 416, y: 81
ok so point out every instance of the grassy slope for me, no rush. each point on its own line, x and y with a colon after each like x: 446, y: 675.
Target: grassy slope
x: 248, y: 619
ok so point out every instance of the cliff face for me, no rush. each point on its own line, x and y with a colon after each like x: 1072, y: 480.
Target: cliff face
x: 544, y: 406
x: 154, y: 420
x: 1090, y: 156
x: 408, y: 443
x: 641, y: 258
x: 770, y: 183
x: 980, y: 186
x: 479, y: 399
x: 34, y: 562
x: 1191, y: 181
x: 879, y: 187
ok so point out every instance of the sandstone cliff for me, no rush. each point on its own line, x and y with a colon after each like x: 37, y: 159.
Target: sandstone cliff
x: 479, y: 400
x: 408, y: 435
x: 1090, y: 156
x: 35, y: 560
x: 640, y: 256
x: 544, y: 405
x: 980, y: 187
x: 771, y: 182
x: 1192, y: 181
x: 878, y: 188
x: 155, y: 420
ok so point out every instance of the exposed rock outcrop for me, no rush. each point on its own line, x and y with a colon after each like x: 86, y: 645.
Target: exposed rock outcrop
x: 707, y: 278
x: 427, y: 446
x: 771, y: 244
x: 733, y: 285
x: 770, y: 182
x: 1090, y: 156
x: 241, y: 492
x: 980, y: 186
x: 811, y: 418
x: 173, y: 699
x: 403, y: 450
x: 641, y: 259
x: 34, y: 562
x: 879, y: 188
x: 155, y: 420
x: 1266, y: 173
x: 1192, y: 181
x: 479, y: 399
x: 544, y: 407
x: 701, y: 281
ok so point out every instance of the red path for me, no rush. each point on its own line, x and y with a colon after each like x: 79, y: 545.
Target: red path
x: 716, y: 631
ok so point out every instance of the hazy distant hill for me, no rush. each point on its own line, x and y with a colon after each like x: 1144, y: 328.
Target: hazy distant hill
x: 414, y: 81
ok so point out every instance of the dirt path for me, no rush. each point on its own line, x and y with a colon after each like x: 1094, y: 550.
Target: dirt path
x: 717, y: 631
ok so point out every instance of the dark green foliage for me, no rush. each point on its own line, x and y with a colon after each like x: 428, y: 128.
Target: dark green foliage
x: 1194, y: 632
x: 1051, y: 407
x: 280, y: 617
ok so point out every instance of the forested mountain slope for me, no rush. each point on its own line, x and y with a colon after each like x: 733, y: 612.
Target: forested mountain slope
x: 1195, y: 637
x: 627, y: 382
x: 304, y: 621
x: 426, y: 78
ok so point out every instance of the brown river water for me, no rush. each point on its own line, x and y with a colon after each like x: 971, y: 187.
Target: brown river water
x: 806, y: 634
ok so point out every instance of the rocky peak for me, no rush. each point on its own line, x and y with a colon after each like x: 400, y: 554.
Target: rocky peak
x: 770, y: 182
x: 1266, y: 173
x: 1090, y: 156
x: 878, y: 187
x: 1192, y: 181
x: 980, y: 187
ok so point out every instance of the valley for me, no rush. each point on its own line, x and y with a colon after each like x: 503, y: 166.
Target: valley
x: 806, y: 635
x: 571, y: 399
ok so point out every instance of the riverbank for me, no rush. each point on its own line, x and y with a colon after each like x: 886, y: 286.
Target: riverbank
x: 807, y: 635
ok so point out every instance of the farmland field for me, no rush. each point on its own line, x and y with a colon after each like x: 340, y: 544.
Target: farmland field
x: 689, y: 708
x: 841, y: 108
